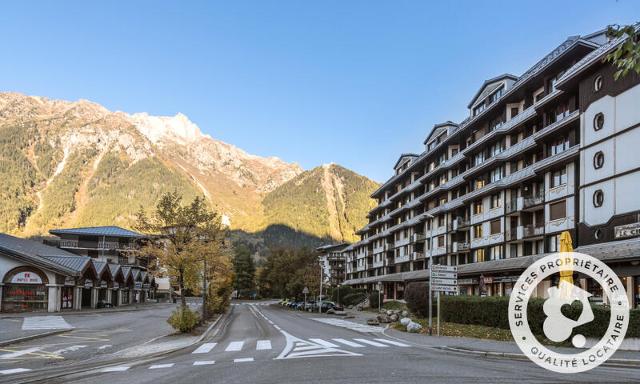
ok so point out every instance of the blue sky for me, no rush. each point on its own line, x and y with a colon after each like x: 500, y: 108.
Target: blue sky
x: 351, y: 82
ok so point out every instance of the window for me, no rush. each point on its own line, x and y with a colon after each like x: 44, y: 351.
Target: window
x: 440, y: 241
x: 597, y: 83
x: 478, y: 255
x: 496, y: 95
x: 496, y: 200
x: 598, y: 160
x: 598, y: 198
x: 496, y: 174
x: 480, y: 183
x: 478, y: 159
x: 559, y: 178
x: 477, y: 207
x: 478, y: 109
x: 495, y: 252
x: 495, y: 227
x: 441, y: 221
x: 559, y: 145
x: 598, y: 121
x: 558, y: 210
x: 514, y: 112
x: 477, y: 231
x: 553, y: 243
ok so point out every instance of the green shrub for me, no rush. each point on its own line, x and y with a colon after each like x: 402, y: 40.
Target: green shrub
x: 417, y: 297
x: 184, y: 320
x: 373, y: 299
x: 493, y: 312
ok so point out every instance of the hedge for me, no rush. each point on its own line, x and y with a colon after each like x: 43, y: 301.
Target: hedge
x: 492, y: 312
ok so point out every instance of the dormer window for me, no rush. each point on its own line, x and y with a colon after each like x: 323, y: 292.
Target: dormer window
x: 496, y: 95
x: 477, y: 110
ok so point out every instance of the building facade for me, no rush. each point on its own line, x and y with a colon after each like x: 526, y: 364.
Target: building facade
x: 541, y: 153
x: 35, y: 277
x: 332, y: 262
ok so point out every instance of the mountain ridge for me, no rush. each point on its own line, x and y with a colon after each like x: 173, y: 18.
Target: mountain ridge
x: 73, y: 163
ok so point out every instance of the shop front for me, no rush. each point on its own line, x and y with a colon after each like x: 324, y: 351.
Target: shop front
x: 68, y: 293
x: 25, y: 290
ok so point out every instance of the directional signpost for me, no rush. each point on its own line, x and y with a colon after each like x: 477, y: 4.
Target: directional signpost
x: 305, y: 291
x: 443, y: 278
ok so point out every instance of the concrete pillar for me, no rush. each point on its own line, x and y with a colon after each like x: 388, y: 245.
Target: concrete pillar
x: 119, y: 297
x: 629, y: 288
x: 1, y: 285
x: 54, y: 300
x: 109, y: 292
x: 94, y: 297
x: 77, y: 298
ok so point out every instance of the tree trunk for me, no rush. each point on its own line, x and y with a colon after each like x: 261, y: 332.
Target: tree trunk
x: 183, y: 300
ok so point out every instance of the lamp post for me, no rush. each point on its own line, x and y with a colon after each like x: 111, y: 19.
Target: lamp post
x: 320, y: 297
x: 430, y: 265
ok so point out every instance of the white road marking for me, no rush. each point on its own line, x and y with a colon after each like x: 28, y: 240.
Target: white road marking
x: 348, y: 324
x: 104, y: 346
x: 324, y: 343
x: 205, y: 348
x: 204, y: 362
x: 72, y: 348
x: 15, y: 354
x: 45, y: 322
x: 159, y: 366
x: 14, y: 370
x: 374, y: 343
x: 349, y: 343
x: 263, y: 345
x: 234, y: 346
x: 243, y: 360
x: 392, y: 342
x: 120, y: 368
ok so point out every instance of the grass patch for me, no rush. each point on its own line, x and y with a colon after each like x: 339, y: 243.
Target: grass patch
x: 461, y: 330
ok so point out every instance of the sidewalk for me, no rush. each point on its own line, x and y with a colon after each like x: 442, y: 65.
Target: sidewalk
x: 485, y: 347
x: 124, y: 308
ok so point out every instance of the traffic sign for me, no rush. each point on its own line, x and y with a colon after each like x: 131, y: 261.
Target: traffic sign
x: 444, y: 268
x: 305, y: 290
x: 445, y: 288
x: 444, y: 282
x: 444, y: 275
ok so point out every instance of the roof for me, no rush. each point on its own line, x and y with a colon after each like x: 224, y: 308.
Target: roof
x: 44, y: 256
x: 488, y: 82
x: 107, y: 231
x: 436, y: 128
x: 404, y: 156
x: 331, y: 247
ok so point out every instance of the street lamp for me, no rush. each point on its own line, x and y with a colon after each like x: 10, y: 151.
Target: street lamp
x: 430, y: 216
x: 320, y: 298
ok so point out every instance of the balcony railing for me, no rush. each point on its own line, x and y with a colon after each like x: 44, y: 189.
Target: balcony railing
x: 417, y: 237
x: 530, y: 231
x: 534, y: 200
x: 511, y: 234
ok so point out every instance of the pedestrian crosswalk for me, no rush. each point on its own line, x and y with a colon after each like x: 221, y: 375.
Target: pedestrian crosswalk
x: 348, y: 324
x: 44, y: 322
x: 301, y: 346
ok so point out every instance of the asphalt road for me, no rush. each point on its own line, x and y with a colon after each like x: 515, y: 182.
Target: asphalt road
x: 269, y: 344
x: 93, y: 337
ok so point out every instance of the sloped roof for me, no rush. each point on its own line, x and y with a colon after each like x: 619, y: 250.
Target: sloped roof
x: 403, y: 157
x: 107, y: 231
x: 101, y: 267
x: 490, y: 85
x: 330, y: 247
x: 42, y: 255
x: 437, y: 128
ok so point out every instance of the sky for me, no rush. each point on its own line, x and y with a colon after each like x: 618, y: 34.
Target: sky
x: 355, y: 83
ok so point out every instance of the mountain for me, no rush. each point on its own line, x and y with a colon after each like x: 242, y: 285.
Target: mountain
x: 68, y: 164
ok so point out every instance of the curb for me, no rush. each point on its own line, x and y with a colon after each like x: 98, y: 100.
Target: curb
x: 140, y: 360
x: 32, y: 337
x: 618, y: 363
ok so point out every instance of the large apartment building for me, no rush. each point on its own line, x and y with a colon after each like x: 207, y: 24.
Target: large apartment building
x: 549, y: 151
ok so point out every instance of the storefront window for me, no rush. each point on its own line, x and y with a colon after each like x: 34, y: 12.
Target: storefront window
x: 67, y: 297
x: 25, y: 290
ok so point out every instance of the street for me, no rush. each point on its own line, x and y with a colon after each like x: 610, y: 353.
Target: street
x: 265, y: 343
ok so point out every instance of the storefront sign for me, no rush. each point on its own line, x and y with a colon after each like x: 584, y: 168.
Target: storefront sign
x: 68, y: 280
x: 145, y: 286
x: 138, y: 285
x: 116, y: 285
x: 467, y: 281
x: 629, y: 230
x: 26, y: 278
x: 88, y: 283
x: 487, y: 280
x: 103, y: 284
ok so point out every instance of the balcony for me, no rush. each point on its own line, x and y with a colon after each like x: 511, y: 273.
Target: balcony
x: 559, y: 191
x: 531, y: 231
x: 459, y: 246
x: 417, y: 255
x: 563, y: 224
x: 438, y: 251
x: 487, y: 240
x: 403, y: 258
x: 511, y: 234
x: 532, y: 201
x: 417, y: 237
